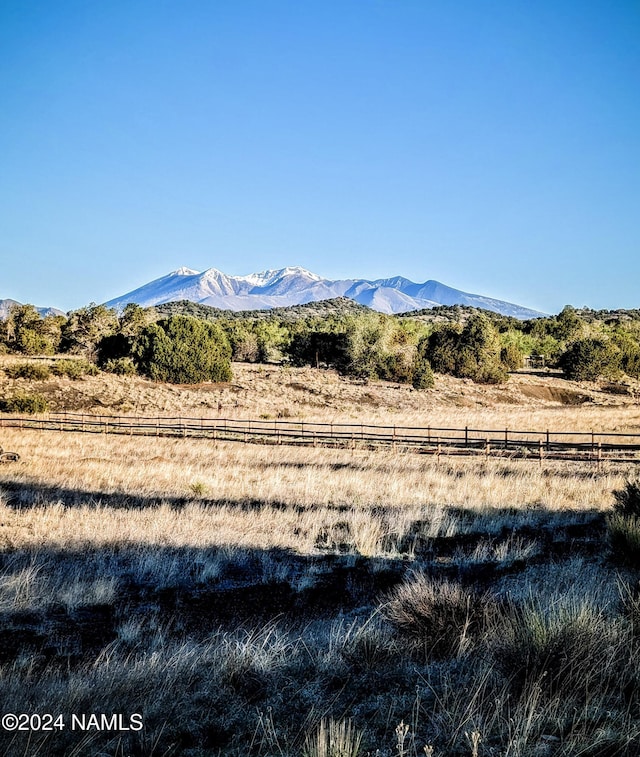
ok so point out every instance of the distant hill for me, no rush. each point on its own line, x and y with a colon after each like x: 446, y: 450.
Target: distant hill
x: 322, y: 308
x: 6, y: 305
x: 460, y: 314
x: 297, y: 286
x: 620, y: 314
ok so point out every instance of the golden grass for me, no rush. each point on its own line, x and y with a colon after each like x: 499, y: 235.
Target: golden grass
x: 79, y: 490
x: 130, y: 522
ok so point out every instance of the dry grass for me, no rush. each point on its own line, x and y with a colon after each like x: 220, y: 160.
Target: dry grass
x: 526, y: 401
x: 87, y: 490
x: 273, y: 600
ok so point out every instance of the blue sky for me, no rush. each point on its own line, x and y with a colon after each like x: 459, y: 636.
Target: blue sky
x: 493, y: 146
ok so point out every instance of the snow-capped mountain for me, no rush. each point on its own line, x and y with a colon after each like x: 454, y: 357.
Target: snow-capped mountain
x: 296, y: 286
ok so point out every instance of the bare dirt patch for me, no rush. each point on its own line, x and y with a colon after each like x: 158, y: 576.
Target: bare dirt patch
x: 555, y: 394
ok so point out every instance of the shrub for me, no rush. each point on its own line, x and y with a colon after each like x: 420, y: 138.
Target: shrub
x: 624, y: 525
x: 436, y: 615
x: 567, y: 646
x: 624, y: 539
x: 121, y: 366
x: 511, y: 357
x: 86, y: 327
x: 25, y: 403
x: 441, y: 349
x: 74, y: 369
x: 112, y: 347
x: 31, y: 371
x: 630, y: 360
x: 317, y: 348
x: 590, y: 359
x: 27, y: 332
x: 422, y: 373
x: 183, y: 350
x: 471, y: 353
x: 627, y: 500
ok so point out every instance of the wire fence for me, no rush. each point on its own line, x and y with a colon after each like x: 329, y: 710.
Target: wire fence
x: 575, y: 445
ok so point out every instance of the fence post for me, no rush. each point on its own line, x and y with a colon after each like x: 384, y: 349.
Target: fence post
x: 540, y: 450
x: 487, y: 447
x: 466, y: 436
x: 547, y: 440
x: 506, y: 438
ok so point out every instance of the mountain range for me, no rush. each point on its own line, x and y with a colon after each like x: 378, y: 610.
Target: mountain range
x: 296, y: 286
x: 6, y: 305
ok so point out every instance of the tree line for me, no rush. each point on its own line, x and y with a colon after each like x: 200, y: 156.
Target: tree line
x: 466, y: 343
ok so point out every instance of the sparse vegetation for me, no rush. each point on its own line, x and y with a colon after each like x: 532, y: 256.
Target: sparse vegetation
x: 74, y: 369
x: 315, y: 600
x: 284, y: 601
x: 31, y: 371
x: 120, y: 366
x: 25, y: 403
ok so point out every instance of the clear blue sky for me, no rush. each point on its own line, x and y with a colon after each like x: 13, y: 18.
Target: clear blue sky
x: 493, y: 146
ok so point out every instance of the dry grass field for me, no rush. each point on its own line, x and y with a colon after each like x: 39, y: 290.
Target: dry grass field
x: 256, y: 600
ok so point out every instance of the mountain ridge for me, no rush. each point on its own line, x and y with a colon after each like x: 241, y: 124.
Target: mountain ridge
x: 295, y: 285
x: 7, y: 304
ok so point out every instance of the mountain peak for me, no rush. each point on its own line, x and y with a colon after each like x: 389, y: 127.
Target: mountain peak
x: 265, y: 278
x: 295, y: 285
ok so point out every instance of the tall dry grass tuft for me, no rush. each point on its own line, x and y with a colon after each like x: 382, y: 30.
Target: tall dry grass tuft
x: 333, y: 738
x: 567, y: 648
x: 438, y: 616
x: 624, y: 524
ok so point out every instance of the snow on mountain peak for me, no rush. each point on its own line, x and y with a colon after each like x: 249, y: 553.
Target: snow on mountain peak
x: 265, y: 278
x: 295, y: 285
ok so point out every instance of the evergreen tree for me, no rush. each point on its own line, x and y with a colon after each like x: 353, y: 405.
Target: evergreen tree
x: 86, y: 327
x: 183, y: 350
x: 591, y: 358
